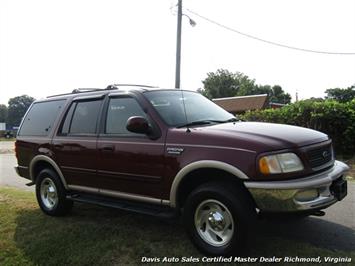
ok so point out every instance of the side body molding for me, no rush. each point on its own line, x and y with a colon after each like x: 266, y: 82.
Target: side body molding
x: 39, y: 158
x: 198, y: 165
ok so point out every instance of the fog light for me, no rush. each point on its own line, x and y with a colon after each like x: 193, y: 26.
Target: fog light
x: 307, y: 195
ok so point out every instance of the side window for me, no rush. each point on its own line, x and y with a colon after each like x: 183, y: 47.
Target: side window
x: 81, y: 118
x: 119, y: 110
x: 67, y: 121
x: 40, y: 118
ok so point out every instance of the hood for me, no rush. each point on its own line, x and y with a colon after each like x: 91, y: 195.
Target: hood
x: 269, y: 135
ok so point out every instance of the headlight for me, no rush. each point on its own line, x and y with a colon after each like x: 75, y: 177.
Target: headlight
x: 280, y: 163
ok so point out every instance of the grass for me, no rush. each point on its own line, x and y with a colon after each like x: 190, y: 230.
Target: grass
x: 5, y: 139
x: 92, y: 235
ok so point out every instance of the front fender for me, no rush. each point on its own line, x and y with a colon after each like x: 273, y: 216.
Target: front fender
x: 199, y: 165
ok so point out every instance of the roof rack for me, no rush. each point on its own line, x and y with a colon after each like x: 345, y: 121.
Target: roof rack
x: 109, y: 87
x: 116, y: 86
x: 82, y: 90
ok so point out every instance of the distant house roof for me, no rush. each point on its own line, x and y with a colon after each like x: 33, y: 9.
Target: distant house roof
x: 276, y: 105
x: 242, y: 103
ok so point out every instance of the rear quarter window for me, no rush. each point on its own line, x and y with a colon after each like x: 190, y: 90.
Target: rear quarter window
x: 40, y: 119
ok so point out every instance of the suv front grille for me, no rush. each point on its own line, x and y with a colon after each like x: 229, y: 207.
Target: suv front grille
x: 320, y: 157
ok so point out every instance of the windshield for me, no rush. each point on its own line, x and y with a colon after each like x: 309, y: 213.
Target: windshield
x: 199, y: 110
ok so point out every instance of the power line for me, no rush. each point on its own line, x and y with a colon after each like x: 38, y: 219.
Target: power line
x: 267, y: 41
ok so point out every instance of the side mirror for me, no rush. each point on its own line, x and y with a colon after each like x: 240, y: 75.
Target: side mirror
x: 138, y: 124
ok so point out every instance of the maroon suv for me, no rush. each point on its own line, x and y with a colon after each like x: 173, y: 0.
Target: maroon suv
x: 170, y: 152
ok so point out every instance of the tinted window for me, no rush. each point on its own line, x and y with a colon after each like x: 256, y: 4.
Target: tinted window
x: 181, y: 107
x: 84, y: 119
x: 39, y: 120
x: 119, y: 110
x: 66, y: 124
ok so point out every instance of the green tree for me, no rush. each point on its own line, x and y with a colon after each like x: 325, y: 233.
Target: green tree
x: 17, y: 109
x: 224, y: 83
x: 220, y: 84
x: 3, y: 113
x: 277, y: 95
x: 341, y: 95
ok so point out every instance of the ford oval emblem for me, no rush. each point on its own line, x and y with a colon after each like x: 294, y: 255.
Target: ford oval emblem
x: 325, y: 154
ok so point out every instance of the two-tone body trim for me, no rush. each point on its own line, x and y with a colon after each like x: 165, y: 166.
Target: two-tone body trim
x: 199, y: 165
x: 118, y: 194
x: 39, y: 158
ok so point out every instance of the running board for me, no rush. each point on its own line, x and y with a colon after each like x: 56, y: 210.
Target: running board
x: 142, y: 208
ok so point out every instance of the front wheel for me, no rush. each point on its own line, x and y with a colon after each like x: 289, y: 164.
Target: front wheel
x: 51, y: 195
x: 217, y: 217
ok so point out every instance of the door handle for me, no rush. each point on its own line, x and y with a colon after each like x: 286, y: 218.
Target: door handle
x: 58, y: 146
x: 108, y: 148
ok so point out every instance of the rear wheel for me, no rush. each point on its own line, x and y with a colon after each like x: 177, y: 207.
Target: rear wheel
x: 217, y: 218
x: 51, y: 195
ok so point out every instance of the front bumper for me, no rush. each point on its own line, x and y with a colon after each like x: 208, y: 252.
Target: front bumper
x: 285, y: 196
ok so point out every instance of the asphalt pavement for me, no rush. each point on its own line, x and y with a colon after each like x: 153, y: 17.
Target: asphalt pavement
x: 8, y: 176
x: 335, y: 230
x: 7, y: 147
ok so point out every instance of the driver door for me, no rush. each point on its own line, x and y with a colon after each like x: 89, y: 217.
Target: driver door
x: 128, y: 163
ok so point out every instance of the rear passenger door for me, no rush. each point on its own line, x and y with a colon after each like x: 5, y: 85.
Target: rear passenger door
x: 75, y: 144
x: 130, y: 164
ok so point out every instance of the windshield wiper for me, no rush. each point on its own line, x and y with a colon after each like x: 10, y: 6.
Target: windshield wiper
x: 197, y: 123
x: 207, y: 122
x: 233, y: 119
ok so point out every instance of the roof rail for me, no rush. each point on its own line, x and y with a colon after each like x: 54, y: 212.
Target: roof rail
x: 109, y: 87
x: 82, y: 90
x: 116, y: 86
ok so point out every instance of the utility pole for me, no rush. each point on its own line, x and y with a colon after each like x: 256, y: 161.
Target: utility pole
x: 178, y: 46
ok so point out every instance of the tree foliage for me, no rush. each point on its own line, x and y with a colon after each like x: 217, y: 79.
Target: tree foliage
x: 277, y: 95
x: 221, y: 84
x: 17, y: 109
x: 224, y: 83
x: 331, y: 117
x: 3, y: 113
x: 341, y: 95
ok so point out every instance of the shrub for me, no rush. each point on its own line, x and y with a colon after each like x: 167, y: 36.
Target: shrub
x: 330, y: 117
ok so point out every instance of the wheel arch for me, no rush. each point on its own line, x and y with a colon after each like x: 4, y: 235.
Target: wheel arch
x: 199, y: 172
x: 41, y: 162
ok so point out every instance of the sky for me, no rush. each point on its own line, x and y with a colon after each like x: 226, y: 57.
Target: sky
x: 52, y: 47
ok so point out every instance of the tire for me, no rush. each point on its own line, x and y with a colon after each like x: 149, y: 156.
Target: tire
x: 51, y: 194
x: 217, y: 218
